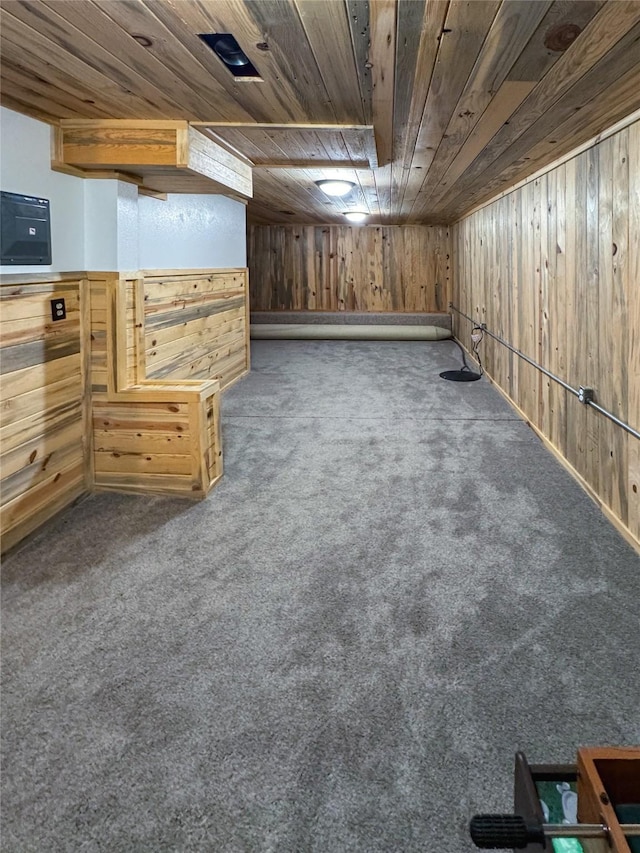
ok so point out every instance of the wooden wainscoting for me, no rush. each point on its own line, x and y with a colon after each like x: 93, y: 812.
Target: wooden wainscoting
x: 195, y: 324
x: 42, y: 387
x: 123, y: 394
x: 338, y: 268
x: 554, y: 268
x: 159, y: 438
x: 162, y: 346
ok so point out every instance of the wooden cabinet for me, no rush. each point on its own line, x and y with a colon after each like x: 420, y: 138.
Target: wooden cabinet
x: 608, y: 778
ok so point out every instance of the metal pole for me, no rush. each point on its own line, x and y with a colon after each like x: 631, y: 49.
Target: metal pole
x: 575, y: 391
x: 587, y: 830
x: 613, y: 418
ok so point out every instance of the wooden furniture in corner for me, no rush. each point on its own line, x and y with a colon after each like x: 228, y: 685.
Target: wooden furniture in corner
x: 122, y: 393
x: 607, y: 777
x: 158, y: 438
x: 163, y: 344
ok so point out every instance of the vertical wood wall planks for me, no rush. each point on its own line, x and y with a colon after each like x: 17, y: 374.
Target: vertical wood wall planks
x: 558, y: 334
x: 607, y: 328
x: 339, y: 268
x: 620, y: 295
x: 544, y: 356
x: 577, y: 413
x: 87, y: 419
x: 564, y: 287
x: 633, y: 330
x: 596, y: 198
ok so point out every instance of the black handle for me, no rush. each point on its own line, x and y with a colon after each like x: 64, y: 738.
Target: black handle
x: 504, y: 832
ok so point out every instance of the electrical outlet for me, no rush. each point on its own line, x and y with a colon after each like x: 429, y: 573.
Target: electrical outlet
x: 58, y: 310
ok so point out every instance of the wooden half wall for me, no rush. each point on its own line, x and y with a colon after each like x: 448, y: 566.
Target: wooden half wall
x: 43, y: 409
x: 339, y: 268
x: 553, y: 267
x: 195, y: 325
x: 123, y: 394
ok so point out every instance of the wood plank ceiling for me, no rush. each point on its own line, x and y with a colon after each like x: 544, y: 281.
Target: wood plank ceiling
x: 428, y: 106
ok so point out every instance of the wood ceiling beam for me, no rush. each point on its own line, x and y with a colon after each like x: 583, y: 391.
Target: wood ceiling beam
x: 382, y: 59
x: 314, y: 164
x: 220, y: 140
x: 326, y: 25
x: 276, y: 126
x: 150, y: 149
x: 368, y: 138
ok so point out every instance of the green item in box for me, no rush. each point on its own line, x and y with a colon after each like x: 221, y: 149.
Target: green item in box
x: 567, y: 845
x: 558, y: 801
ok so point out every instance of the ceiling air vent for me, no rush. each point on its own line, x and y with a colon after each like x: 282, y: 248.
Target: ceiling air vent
x: 229, y: 52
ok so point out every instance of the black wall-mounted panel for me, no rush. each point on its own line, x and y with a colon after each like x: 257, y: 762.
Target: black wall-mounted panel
x: 25, y: 230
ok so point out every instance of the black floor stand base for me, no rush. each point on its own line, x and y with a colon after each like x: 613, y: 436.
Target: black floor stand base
x: 460, y: 375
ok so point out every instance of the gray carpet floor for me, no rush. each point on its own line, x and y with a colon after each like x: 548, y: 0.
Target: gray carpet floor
x: 393, y: 589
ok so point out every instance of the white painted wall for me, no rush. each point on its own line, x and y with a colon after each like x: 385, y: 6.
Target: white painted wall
x: 25, y: 167
x: 127, y: 217
x: 111, y: 225
x: 100, y: 224
x: 192, y: 231
x: 105, y: 225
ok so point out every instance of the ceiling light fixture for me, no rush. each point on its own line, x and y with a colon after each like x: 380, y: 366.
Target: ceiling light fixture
x: 335, y: 186
x: 227, y: 49
x: 356, y: 215
x: 230, y: 51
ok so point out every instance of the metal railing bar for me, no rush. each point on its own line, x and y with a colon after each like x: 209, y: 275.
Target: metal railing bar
x: 575, y: 391
x: 613, y: 418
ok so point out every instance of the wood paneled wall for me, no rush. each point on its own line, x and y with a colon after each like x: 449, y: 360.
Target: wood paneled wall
x: 196, y: 325
x: 340, y: 268
x: 123, y: 394
x: 158, y: 439
x: 146, y: 436
x: 554, y: 268
x: 42, y: 387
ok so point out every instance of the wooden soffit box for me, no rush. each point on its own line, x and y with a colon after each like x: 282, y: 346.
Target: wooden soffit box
x: 159, y: 156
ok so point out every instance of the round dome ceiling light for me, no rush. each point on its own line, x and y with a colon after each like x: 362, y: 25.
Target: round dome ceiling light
x: 335, y: 186
x: 356, y: 215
